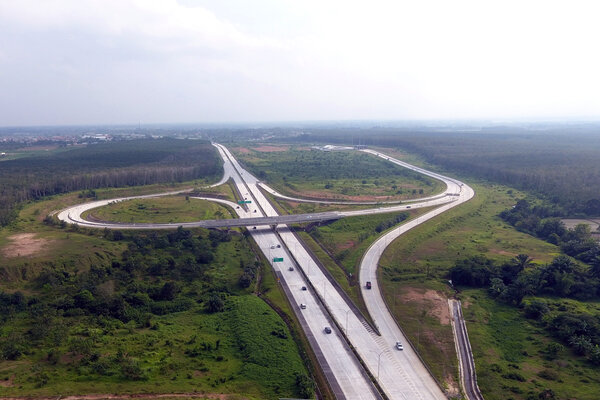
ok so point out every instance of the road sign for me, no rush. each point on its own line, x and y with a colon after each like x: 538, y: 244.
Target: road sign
x: 278, y: 259
x: 244, y: 202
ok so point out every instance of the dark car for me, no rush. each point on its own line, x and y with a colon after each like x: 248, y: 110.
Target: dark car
x: 327, y: 329
x: 303, y: 287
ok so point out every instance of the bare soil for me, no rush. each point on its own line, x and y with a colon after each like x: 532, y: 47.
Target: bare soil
x: 24, y: 245
x: 436, y: 304
x: 243, y: 150
x: 270, y: 149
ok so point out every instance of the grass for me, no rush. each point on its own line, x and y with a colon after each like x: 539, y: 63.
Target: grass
x: 168, y: 209
x: 187, y: 351
x: 509, y: 348
x: 417, y: 264
x: 347, y: 175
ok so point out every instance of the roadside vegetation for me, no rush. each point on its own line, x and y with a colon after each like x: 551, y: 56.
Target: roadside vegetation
x: 124, y: 312
x: 168, y: 209
x: 173, y: 313
x: 510, y: 349
x: 558, y: 163
x: 339, y: 175
x: 115, y: 164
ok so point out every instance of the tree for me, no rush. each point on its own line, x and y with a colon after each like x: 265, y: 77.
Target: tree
x: 215, y: 303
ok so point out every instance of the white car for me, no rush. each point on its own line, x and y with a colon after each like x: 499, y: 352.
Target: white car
x: 399, y: 346
x: 303, y: 306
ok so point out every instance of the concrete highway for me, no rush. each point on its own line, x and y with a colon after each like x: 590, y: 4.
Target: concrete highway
x: 400, y: 374
x: 465, y: 355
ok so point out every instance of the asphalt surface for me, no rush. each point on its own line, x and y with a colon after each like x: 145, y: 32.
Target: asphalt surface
x: 400, y: 374
x: 465, y: 355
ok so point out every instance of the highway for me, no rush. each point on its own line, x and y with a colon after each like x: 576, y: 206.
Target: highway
x: 465, y: 355
x: 400, y: 374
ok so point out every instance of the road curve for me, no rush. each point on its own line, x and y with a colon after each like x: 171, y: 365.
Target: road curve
x: 401, y: 374
x: 368, y: 268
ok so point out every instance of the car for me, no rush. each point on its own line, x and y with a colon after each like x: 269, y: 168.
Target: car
x: 290, y: 268
x: 238, y: 207
x: 253, y: 227
x: 399, y: 346
x: 303, y: 306
x: 278, y: 246
x: 303, y: 287
x: 254, y: 210
x: 407, y: 206
x: 272, y: 246
x: 327, y: 329
x: 368, y: 286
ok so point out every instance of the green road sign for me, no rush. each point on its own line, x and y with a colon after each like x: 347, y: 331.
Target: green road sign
x: 278, y: 259
x: 244, y: 202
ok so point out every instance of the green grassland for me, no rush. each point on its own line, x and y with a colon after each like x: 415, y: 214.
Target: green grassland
x: 414, y: 269
x: 511, y: 355
x: 347, y: 175
x: 168, y: 209
x: 171, y: 347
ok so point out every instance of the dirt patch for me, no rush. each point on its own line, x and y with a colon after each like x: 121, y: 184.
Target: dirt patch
x: 242, y: 150
x: 270, y: 149
x: 348, y: 245
x: 452, y: 389
x: 10, y: 382
x: 24, y: 245
x: 437, y: 304
x: 502, y: 252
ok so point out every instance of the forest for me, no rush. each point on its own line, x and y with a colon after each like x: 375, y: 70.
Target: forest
x: 176, y: 308
x: 114, y: 164
x: 510, y: 282
x: 560, y: 164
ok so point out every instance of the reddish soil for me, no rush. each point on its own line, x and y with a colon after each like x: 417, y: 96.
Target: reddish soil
x: 436, y: 303
x: 242, y: 150
x: 270, y: 149
x: 24, y: 244
x: 348, y: 245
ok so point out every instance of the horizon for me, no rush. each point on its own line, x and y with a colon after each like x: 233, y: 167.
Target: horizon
x: 80, y: 63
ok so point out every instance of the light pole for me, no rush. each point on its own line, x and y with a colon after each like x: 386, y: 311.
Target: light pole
x: 378, y: 360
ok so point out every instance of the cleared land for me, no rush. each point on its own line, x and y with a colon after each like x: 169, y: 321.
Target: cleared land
x: 347, y: 175
x: 169, y: 209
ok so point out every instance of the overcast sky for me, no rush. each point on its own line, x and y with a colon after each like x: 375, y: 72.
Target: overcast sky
x: 151, y: 61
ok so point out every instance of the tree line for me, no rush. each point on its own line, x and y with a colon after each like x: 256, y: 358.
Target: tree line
x: 115, y: 164
x: 560, y: 164
x: 510, y: 282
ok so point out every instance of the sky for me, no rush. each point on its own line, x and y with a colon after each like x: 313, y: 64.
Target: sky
x: 71, y: 62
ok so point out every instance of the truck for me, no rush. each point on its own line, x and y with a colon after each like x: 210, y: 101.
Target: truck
x: 369, y: 285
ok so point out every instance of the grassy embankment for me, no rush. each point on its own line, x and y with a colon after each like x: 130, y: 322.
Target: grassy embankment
x: 414, y: 270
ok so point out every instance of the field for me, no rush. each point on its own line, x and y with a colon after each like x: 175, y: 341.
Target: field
x: 414, y: 272
x: 105, y: 322
x: 346, y: 175
x: 168, y: 209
